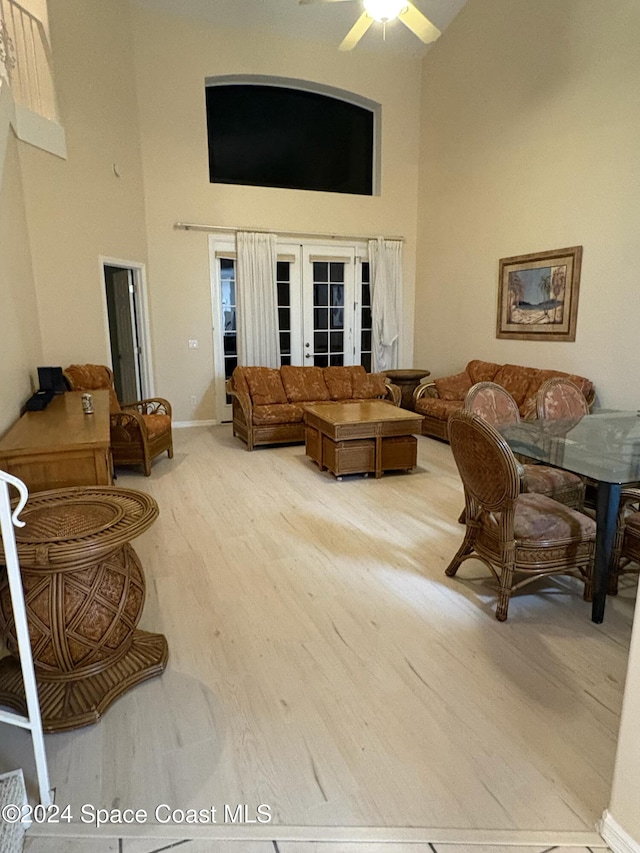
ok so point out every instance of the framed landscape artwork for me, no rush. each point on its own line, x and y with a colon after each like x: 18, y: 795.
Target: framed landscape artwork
x: 538, y: 295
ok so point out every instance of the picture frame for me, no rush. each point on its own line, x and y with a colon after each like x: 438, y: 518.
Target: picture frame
x: 538, y: 295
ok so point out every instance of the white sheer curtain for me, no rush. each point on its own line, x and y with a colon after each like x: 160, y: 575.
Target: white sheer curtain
x: 385, y: 260
x: 256, y: 298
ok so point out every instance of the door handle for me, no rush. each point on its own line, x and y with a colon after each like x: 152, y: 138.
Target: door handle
x: 307, y: 355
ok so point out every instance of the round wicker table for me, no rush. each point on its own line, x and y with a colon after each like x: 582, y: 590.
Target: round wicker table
x: 84, y: 591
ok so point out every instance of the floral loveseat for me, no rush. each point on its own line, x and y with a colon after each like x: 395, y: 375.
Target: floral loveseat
x: 438, y: 399
x: 268, y: 403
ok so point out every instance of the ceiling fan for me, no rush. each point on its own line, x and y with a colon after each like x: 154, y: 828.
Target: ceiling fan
x: 384, y: 11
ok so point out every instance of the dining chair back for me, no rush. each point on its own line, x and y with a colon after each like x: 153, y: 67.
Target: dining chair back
x: 495, y: 405
x: 559, y: 398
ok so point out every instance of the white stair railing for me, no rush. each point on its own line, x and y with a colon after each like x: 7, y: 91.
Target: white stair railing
x: 28, y: 63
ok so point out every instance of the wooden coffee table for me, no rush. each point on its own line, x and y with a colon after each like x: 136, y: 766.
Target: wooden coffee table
x: 359, y: 438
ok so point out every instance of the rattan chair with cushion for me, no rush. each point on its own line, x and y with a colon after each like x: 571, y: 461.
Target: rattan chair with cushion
x: 497, y: 407
x: 519, y: 536
x: 139, y: 430
x: 626, y: 546
x: 559, y: 398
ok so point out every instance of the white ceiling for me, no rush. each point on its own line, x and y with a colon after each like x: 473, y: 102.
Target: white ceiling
x: 323, y: 22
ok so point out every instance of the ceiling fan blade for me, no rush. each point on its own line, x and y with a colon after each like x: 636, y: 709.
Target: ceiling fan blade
x: 356, y: 32
x: 419, y: 25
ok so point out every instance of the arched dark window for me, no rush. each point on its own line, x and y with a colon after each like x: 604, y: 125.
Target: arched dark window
x: 284, y: 136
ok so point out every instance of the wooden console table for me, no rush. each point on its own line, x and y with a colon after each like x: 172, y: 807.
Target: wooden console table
x: 84, y: 594
x: 61, y: 446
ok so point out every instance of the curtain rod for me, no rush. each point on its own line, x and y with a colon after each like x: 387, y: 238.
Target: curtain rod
x: 191, y: 226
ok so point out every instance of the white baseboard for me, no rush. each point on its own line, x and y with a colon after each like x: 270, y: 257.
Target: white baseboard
x: 616, y: 837
x: 186, y: 424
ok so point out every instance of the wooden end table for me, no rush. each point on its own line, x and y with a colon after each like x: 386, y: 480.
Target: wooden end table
x: 407, y: 381
x: 360, y: 438
x: 84, y: 593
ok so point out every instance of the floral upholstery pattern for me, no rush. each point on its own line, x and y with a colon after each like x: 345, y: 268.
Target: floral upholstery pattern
x: 157, y: 425
x: 538, y: 518
x: 493, y: 404
x: 516, y: 380
x: 482, y: 371
x: 545, y: 480
x: 92, y: 377
x: 339, y: 380
x: 284, y: 413
x: 304, y: 384
x: 437, y: 408
x: 454, y: 387
x: 560, y: 399
x: 368, y: 386
x: 265, y: 386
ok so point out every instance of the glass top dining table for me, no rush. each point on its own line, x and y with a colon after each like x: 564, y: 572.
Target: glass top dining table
x: 605, y: 447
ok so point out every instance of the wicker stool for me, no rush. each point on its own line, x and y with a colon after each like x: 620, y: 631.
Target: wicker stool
x: 84, y: 592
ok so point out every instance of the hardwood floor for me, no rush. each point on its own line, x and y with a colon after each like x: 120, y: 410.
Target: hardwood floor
x: 321, y: 663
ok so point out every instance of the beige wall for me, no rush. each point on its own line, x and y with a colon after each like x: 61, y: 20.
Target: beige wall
x: 20, y: 347
x: 531, y: 141
x: 77, y: 208
x: 173, y: 58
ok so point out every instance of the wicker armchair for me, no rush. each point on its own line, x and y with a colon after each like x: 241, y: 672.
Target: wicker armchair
x: 626, y: 546
x: 140, y: 430
x: 497, y: 407
x: 561, y: 398
x: 519, y: 536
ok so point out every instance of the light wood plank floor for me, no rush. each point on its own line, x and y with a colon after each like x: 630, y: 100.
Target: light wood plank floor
x: 321, y: 662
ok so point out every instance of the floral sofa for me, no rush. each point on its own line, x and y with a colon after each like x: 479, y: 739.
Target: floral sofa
x: 268, y: 403
x: 438, y: 399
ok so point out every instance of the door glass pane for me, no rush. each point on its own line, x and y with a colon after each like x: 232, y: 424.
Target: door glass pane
x: 320, y: 294
x: 228, y: 312
x: 283, y: 273
x: 321, y: 318
x: 328, y: 290
x: 321, y: 342
x: 365, y: 318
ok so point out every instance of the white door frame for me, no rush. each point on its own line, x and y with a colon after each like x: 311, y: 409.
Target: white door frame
x: 138, y: 271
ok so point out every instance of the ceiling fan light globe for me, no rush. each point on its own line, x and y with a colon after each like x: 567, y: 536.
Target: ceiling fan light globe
x: 384, y: 10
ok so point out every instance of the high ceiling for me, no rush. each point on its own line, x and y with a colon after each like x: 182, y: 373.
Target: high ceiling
x: 323, y: 22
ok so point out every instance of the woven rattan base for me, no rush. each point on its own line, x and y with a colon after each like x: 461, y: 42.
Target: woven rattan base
x: 82, y: 701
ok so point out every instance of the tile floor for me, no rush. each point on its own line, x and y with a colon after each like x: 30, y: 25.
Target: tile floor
x: 114, y: 845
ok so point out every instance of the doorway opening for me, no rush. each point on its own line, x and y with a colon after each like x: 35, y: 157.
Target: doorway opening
x: 127, y: 329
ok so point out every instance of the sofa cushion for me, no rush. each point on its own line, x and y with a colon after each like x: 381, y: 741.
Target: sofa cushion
x: 539, y: 518
x: 482, y: 371
x: 339, y: 380
x: 453, y: 387
x: 265, y: 386
x: 368, y: 386
x: 528, y: 406
x: 436, y: 408
x: 516, y: 380
x: 282, y: 413
x: 304, y: 384
x: 157, y: 425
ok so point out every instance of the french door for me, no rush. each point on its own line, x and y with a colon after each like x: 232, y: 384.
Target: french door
x: 328, y: 297
x: 324, y: 308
